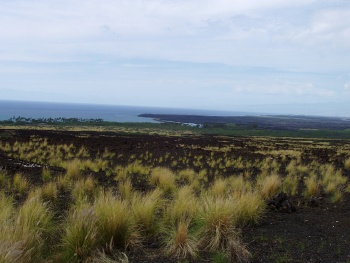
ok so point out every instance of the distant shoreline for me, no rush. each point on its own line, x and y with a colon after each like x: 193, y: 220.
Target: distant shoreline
x: 271, y: 122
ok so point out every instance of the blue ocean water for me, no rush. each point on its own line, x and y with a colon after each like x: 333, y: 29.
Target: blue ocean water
x: 29, y: 109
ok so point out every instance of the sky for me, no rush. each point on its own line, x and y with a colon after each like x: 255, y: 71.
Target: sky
x: 288, y: 56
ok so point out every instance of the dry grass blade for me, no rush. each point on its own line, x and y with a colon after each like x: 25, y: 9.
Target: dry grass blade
x: 117, y: 226
x: 180, y: 242
x: 80, y: 240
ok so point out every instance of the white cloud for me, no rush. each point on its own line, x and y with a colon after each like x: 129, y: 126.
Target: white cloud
x: 56, y: 38
x: 288, y: 88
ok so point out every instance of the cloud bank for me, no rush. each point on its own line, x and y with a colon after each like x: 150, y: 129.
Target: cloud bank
x: 177, y: 53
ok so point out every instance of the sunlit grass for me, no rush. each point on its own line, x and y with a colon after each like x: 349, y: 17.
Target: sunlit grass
x: 347, y: 164
x: 84, y: 189
x: 199, y: 206
x: 46, y: 174
x: 80, y: 239
x: 290, y: 184
x: 145, y: 209
x: 117, y: 225
x: 73, y: 169
x: 312, y: 186
x: 24, y: 233
x: 180, y: 242
x: 20, y: 183
x: 270, y: 186
x: 164, y: 179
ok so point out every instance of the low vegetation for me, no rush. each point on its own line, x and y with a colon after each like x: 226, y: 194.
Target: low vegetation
x: 87, y: 207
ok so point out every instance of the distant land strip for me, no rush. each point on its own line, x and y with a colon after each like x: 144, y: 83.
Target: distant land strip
x: 270, y: 122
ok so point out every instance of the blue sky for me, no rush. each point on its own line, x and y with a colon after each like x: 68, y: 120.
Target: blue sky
x: 224, y: 55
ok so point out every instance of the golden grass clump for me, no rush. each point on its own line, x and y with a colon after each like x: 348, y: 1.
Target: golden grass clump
x: 83, y: 153
x: 81, y: 236
x: 347, y: 164
x: 312, y: 186
x: 164, y: 178
x: 84, y: 189
x: 270, y: 186
x: 219, y: 188
x: 333, y: 182
x: 10, y: 250
x: 290, y: 184
x: 73, y: 169
x: 137, y: 168
x: 125, y: 189
x: 46, y: 174
x: 145, y: 209
x: 183, y: 207
x: 292, y: 167
x: 49, y: 192
x: 217, y: 223
x: 6, y: 208
x: 249, y: 207
x: 24, y: 234
x: 238, y: 184
x: 20, y: 184
x: 217, y: 228
x: 187, y: 175
x: 4, y: 180
x: 180, y: 242
x: 117, y: 226
x: 63, y: 183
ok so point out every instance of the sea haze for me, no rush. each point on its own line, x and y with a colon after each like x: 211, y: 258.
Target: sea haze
x: 29, y: 109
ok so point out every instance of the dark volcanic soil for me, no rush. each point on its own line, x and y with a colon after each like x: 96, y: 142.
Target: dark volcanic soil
x: 318, y: 231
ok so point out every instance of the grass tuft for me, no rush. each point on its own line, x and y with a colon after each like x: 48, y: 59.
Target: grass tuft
x: 219, y: 188
x: 347, y: 164
x: 49, y: 192
x: 312, y: 186
x: 116, y: 223
x: 46, y: 174
x: 145, y: 209
x: 84, y: 189
x: 125, y: 189
x: 73, y: 170
x: 24, y: 234
x: 180, y: 242
x: 20, y: 184
x: 290, y: 184
x: 270, y: 186
x: 4, y: 181
x: 183, y: 207
x: 217, y: 229
x: 164, y: 178
x: 81, y: 237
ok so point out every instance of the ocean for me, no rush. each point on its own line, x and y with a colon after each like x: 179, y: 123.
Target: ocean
x: 115, y: 113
